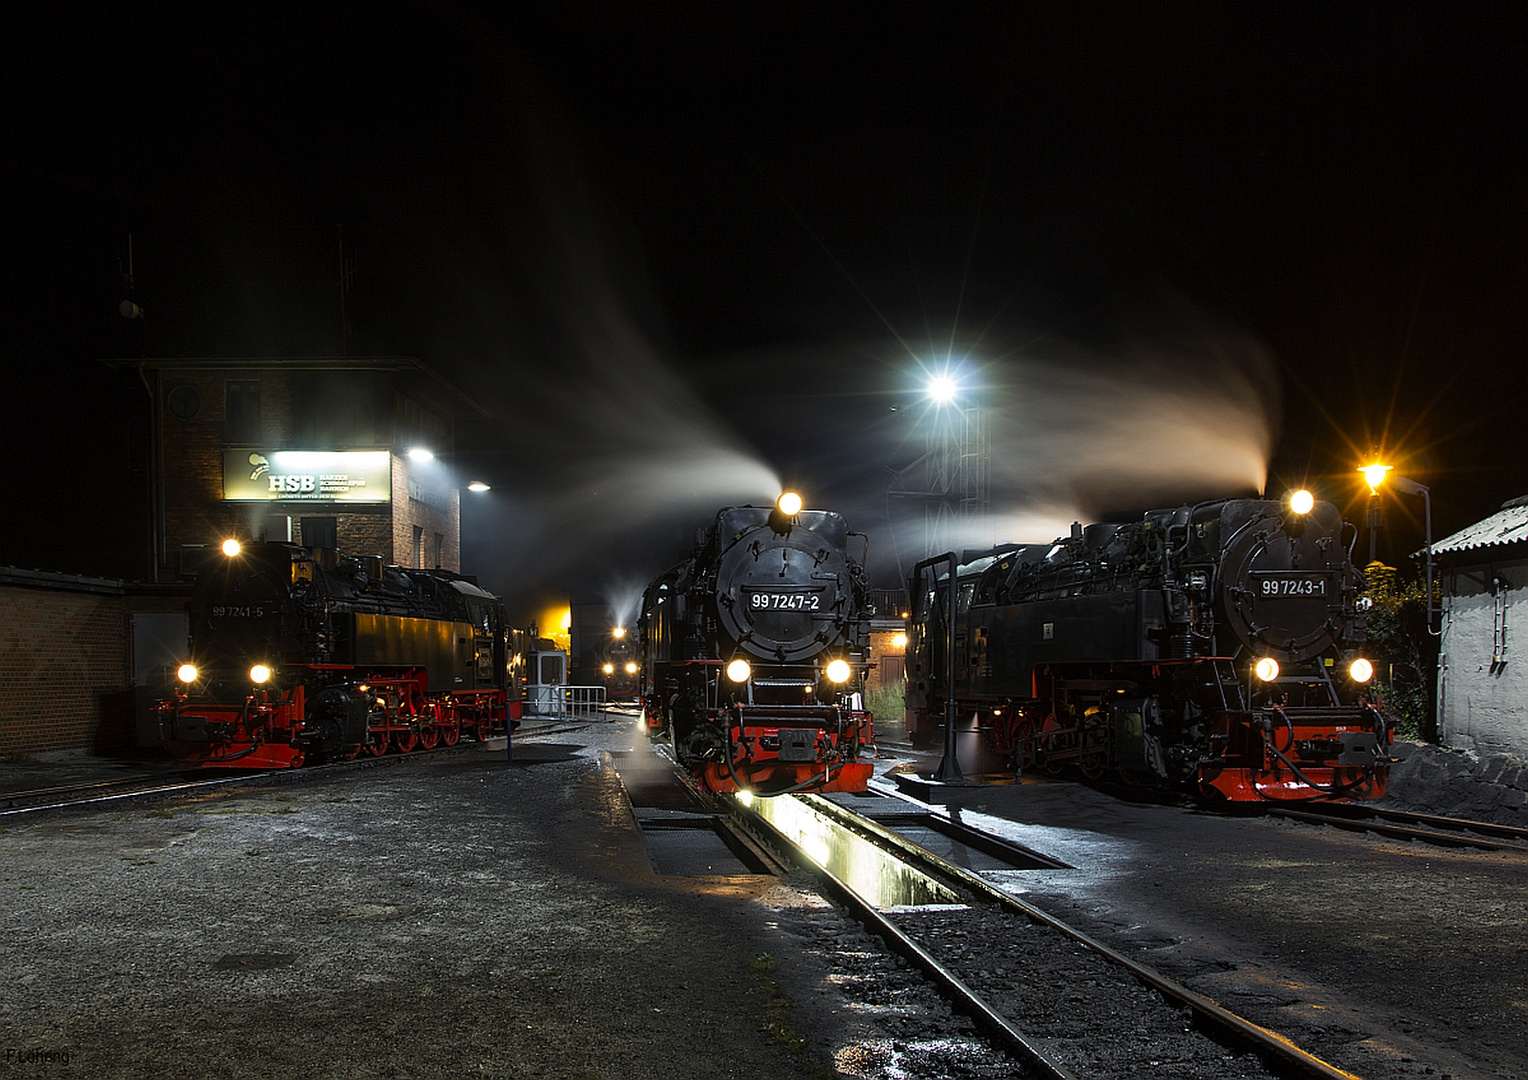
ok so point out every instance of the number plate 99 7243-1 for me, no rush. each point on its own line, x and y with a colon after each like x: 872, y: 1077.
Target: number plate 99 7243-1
x: 1277, y: 584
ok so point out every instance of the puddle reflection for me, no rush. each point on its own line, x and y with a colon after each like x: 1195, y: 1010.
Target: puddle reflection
x: 874, y: 874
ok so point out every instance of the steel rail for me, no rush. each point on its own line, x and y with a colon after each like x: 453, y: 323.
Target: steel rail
x: 133, y: 793
x: 1440, y: 831
x: 951, y: 985
x: 187, y: 786
x: 1268, y: 1042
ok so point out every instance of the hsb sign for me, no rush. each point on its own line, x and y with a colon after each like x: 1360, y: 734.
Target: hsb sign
x: 293, y: 485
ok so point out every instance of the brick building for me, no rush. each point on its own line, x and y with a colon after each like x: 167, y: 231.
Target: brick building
x: 311, y: 450
x: 308, y: 450
x: 80, y: 659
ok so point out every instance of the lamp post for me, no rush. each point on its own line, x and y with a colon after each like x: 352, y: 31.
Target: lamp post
x: 1411, y: 487
x: 1376, y: 475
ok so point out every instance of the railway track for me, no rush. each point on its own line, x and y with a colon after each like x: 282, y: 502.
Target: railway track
x: 1407, y: 825
x: 97, y: 793
x: 1085, y: 1006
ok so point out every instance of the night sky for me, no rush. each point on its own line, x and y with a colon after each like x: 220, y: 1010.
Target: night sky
x: 682, y: 253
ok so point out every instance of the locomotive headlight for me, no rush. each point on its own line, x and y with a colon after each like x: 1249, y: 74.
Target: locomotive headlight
x: 1266, y: 669
x: 260, y: 674
x: 789, y: 504
x: 838, y: 671
x: 738, y: 671
x: 631, y: 667
x: 232, y: 547
x: 1302, y: 501
x: 1361, y: 670
x: 618, y: 632
x: 186, y: 673
x: 608, y: 669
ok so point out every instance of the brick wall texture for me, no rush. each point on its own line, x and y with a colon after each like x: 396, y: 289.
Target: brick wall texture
x: 60, y: 654
x: 65, y: 668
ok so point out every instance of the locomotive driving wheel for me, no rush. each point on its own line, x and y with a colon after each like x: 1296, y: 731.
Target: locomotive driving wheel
x: 376, y: 731
x: 405, y: 739
x: 450, y: 730
x: 429, y: 730
x: 1093, y: 744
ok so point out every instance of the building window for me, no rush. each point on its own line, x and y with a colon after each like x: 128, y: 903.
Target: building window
x: 440, y: 544
x: 419, y: 547
x: 243, y: 411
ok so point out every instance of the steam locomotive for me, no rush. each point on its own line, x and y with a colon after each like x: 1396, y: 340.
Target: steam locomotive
x: 618, y: 667
x: 301, y: 656
x: 754, y: 651
x: 1213, y: 646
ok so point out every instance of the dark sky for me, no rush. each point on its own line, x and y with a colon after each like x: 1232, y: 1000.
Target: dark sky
x: 684, y: 251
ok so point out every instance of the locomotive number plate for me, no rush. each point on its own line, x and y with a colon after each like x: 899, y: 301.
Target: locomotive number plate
x: 1272, y: 583
x: 242, y: 612
x: 759, y: 600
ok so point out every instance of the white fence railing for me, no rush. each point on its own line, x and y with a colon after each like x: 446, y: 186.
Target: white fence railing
x: 561, y: 701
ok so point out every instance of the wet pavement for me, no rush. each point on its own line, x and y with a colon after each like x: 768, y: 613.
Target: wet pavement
x: 467, y: 914
x: 453, y: 915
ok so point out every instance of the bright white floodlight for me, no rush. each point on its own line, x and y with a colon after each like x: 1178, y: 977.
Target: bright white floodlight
x: 941, y: 388
x: 419, y: 453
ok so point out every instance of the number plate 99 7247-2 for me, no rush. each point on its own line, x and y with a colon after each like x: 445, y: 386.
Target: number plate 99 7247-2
x: 1289, y: 583
x: 759, y: 600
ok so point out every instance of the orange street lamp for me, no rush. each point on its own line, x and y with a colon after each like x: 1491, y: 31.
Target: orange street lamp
x: 1375, y: 475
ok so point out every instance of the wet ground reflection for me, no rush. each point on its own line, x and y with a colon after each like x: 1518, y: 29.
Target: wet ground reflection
x: 877, y: 876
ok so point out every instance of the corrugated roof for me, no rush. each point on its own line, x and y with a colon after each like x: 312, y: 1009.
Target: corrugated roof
x: 1509, y: 525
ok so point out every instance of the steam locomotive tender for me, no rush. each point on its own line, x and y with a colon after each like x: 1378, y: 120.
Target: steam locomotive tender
x: 1213, y: 646
x: 295, y: 661
x: 754, y: 653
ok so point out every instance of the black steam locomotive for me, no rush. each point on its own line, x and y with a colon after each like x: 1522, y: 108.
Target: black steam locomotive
x: 298, y: 655
x: 1214, y: 646
x: 754, y: 652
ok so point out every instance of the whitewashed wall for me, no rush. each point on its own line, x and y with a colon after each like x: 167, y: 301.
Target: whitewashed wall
x: 1482, y: 698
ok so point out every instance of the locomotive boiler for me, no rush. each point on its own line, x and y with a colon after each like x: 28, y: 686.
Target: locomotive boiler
x: 1214, y: 646
x: 299, y: 656
x: 754, y: 650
